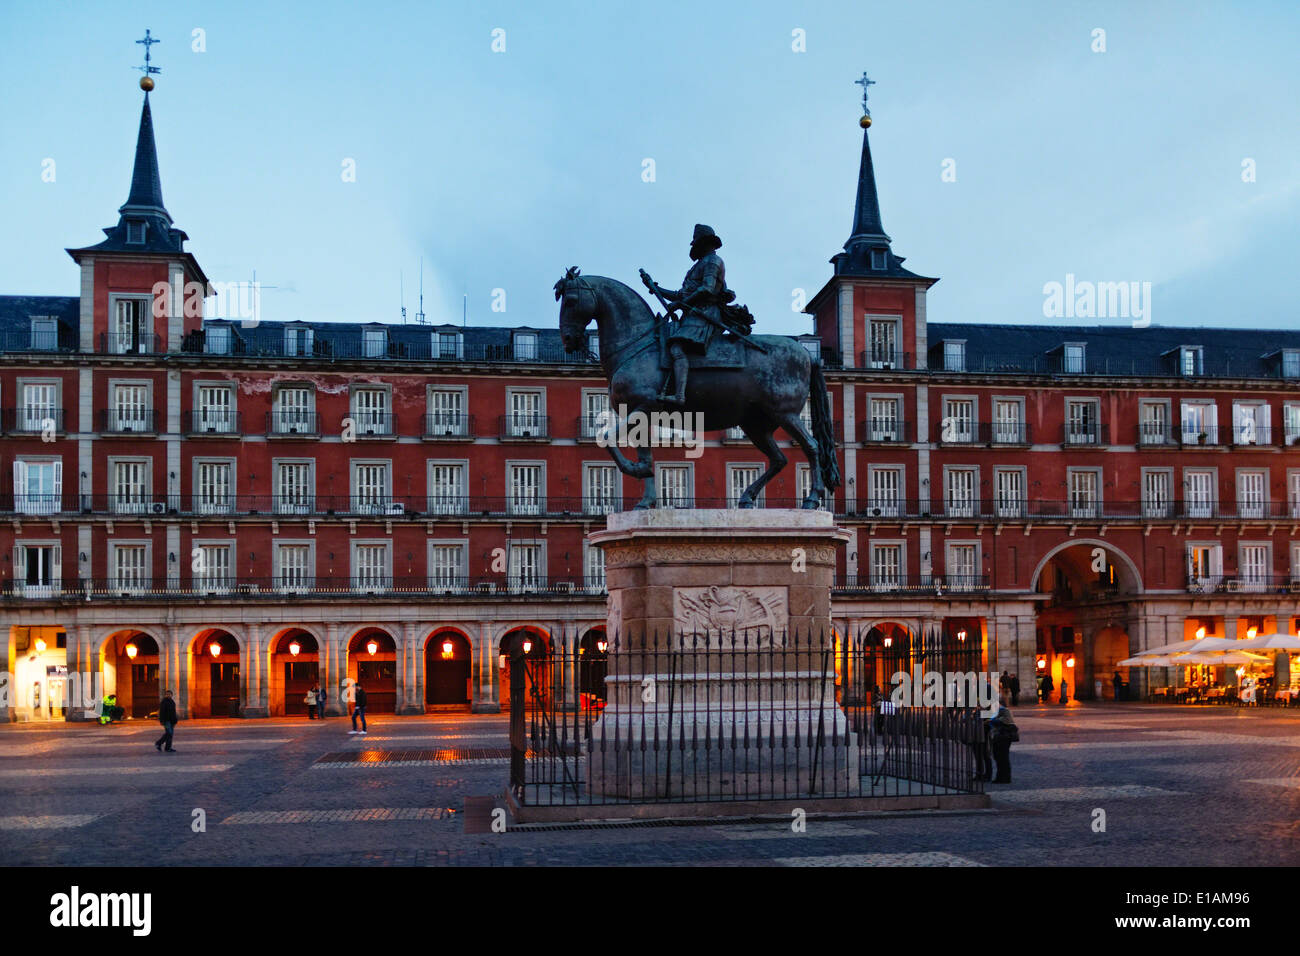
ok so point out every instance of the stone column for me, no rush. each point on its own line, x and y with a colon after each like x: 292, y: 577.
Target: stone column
x: 256, y: 700
x: 85, y: 683
x: 330, y: 676
x: 173, y: 670
x: 8, y: 691
x: 406, y: 676
x: 565, y: 672
x: 485, y: 676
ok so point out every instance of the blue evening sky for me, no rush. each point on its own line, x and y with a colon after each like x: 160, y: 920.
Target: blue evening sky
x: 501, y: 169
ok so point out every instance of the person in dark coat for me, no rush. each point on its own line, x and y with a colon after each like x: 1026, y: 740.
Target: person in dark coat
x: 1048, y: 687
x: 1014, y: 683
x: 1118, y: 681
x: 359, y: 710
x: 1002, y: 731
x: 168, y: 717
x: 320, y: 701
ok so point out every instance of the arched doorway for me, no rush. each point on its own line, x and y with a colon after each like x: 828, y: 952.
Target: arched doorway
x: 372, y: 663
x: 129, y: 663
x: 294, y: 670
x: 537, y: 648
x: 1109, y: 647
x: 883, y: 650
x: 448, y: 657
x: 215, y: 677
x: 593, y: 663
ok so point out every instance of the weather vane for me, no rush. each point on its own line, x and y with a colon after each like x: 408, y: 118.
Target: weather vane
x: 146, y: 81
x: 866, y: 113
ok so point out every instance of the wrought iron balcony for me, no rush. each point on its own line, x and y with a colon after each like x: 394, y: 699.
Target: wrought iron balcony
x: 221, y: 422
x: 448, y: 426
x: 32, y: 420
x: 128, y: 421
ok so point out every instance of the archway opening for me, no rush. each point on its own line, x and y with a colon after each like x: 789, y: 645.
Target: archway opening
x: 593, y: 666
x: 215, y: 676
x: 293, y: 674
x: 537, y: 672
x: 40, y: 682
x: 448, y: 660
x: 129, y: 661
x: 372, y: 663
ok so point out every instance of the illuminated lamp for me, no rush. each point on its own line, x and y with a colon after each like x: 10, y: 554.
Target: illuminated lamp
x: 602, y: 645
x: 1200, y: 632
x: 372, y: 648
x: 448, y: 649
x: 1251, y: 632
x: 131, y: 651
x: 528, y: 645
x: 961, y: 635
x: 889, y: 640
x: 215, y: 648
x: 40, y: 645
x: 1069, y: 661
x: 1042, y: 663
x: 294, y: 648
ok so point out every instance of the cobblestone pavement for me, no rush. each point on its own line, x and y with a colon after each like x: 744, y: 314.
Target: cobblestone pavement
x: 1208, y: 786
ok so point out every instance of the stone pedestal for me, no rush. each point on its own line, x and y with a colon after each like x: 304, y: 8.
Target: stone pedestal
x: 721, y: 677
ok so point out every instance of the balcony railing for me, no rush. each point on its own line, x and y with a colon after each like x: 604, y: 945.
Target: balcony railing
x: 122, y: 343
x: 1004, y: 433
x: 1197, y: 435
x: 277, y: 588
x: 885, y: 431
x: 889, y: 583
x: 32, y: 420
x: 290, y: 424
x: 1244, y: 583
x: 271, y: 341
x: 524, y: 427
x: 1075, y: 434
x: 209, y: 421
x: 365, y: 424
x: 591, y: 427
x: 886, y: 360
x: 29, y: 340
x: 128, y: 421
x: 448, y: 425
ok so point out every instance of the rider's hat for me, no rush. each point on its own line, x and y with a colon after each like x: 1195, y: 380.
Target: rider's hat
x: 705, y: 236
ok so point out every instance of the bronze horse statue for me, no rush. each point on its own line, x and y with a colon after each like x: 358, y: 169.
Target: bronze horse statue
x: 766, y: 392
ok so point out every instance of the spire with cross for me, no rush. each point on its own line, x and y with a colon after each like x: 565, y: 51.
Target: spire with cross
x: 864, y: 83
x: 146, y: 81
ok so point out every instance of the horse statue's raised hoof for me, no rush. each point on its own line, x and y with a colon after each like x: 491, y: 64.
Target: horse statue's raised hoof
x: 811, y: 503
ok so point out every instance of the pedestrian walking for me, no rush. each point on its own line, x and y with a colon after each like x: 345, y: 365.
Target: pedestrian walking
x: 320, y: 701
x: 359, y: 709
x: 310, y: 701
x: 168, y: 717
x: 1003, y: 732
x: 1004, y: 684
x: 1048, y: 687
x: 1118, y: 681
x: 1015, y: 691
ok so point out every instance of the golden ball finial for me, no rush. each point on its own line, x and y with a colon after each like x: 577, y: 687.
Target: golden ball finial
x: 865, y: 122
x: 146, y: 83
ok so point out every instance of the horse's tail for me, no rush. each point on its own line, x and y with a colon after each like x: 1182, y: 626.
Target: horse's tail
x: 823, y: 426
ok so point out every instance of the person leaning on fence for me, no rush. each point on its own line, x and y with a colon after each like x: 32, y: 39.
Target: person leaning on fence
x: 980, y: 748
x: 1003, y: 732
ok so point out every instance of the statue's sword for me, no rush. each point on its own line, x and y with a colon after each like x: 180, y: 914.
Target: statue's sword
x: 649, y: 283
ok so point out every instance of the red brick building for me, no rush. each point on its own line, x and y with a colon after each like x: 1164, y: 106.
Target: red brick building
x: 238, y: 509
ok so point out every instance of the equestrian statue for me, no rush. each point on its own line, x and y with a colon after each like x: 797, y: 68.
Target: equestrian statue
x: 699, y: 357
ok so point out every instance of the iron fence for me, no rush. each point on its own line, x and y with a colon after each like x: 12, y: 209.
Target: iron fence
x: 746, y: 716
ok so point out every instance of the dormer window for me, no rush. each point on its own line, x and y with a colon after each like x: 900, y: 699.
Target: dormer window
x: 374, y: 343
x: 448, y: 345
x: 216, y: 340
x: 954, y: 356
x: 297, y: 341
x: 1291, y: 363
x: 525, y: 346
x: 593, y: 344
x: 878, y: 260
x: 812, y: 346
x: 45, y: 334
x: 1190, y: 360
x: 135, y: 231
x: 1075, y: 355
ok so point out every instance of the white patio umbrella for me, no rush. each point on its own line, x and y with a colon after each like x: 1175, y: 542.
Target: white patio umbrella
x: 1148, y: 660
x: 1175, y: 648
x: 1269, y: 642
x: 1219, y: 658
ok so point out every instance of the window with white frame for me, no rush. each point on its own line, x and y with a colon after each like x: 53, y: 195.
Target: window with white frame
x: 448, y: 487
x: 1075, y: 358
x: 526, y: 572
x: 525, y: 344
x: 370, y: 487
x: 370, y: 411
x: 211, y: 568
x: 812, y: 346
x: 1157, y: 493
x: 216, y: 339
x: 295, y: 489
x: 1199, y: 420
x: 374, y: 343
x: 214, y: 487
x: 38, y: 486
x: 447, y: 416
x: 674, y: 486
x: 963, y: 565
x: 370, y: 567
x: 447, y: 565
x: 1009, y: 492
x: 38, y: 407
x: 1204, y: 565
x: 1252, y: 493
x: 740, y: 477
x: 595, y: 413
x: 1293, y: 492
x: 38, y: 569
x: 1084, y: 487
x: 803, y: 487
x: 129, y: 481
x: 960, y: 486
x: 524, y: 485
x: 883, y: 344
x: 954, y: 356
x: 883, y: 421
x: 1082, y: 422
x: 45, y: 334
x: 214, y: 409
x: 293, y: 568
x: 1190, y: 360
x: 1250, y: 423
x: 294, y: 411
x: 1009, y: 421
x: 1200, y: 496
x: 884, y: 491
x: 448, y: 345
x: 593, y: 565
x: 1291, y: 422
x: 1295, y: 565
x: 131, y: 330
x: 129, y: 408
x: 298, y: 340
x: 886, y: 566
x: 1255, y: 565
x: 524, y: 416
x: 129, y: 567
x: 1153, y: 423
x: 593, y: 345
x: 958, y: 423
x: 1291, y: 363
x: 600, y: 489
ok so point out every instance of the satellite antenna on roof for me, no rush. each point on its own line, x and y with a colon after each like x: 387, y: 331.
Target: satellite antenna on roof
x: 419, y: 316
x: 464, y: 309
x: 401, y: 286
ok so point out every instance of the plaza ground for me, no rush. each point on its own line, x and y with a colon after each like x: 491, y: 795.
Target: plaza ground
x: 1179, y: 786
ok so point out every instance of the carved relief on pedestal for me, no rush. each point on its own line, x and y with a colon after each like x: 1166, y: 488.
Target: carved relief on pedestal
x: 614, y: 615
x: 735, y: 613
